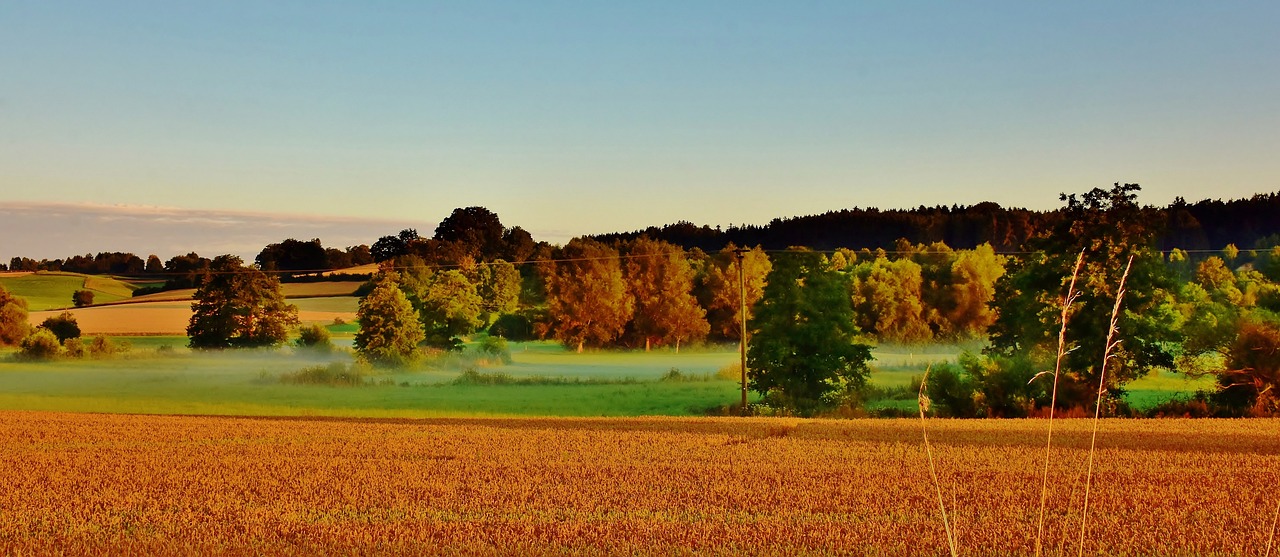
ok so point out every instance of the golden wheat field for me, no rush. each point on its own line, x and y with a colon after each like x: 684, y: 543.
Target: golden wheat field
x: 82, y: 483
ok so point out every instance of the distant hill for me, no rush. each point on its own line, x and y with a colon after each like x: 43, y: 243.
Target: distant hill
x: 1204, y: 225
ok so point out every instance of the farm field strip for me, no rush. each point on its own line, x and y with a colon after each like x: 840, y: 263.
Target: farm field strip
x: 83, y: 483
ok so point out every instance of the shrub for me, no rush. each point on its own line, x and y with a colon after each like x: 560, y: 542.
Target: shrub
x: 336, y: 374
x: 496, y: 347
x: 81, y: 298
x: 74, y: 348
x: 513, y: 326
x: 101, y: 347
x: 952, y: 392
x: 674, y: 375
x: 63, y: 326
x: 314, y: 337
x: 39, y: 345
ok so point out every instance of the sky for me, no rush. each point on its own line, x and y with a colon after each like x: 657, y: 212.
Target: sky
x: 147, y: 126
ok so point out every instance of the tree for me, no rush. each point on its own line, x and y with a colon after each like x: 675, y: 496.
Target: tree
x: 1109, y: 227
x: 973, y: 287
x: 82, y: 298
x: 888, y: 302
x: 390, y: 247
x: 448, y: 308
x: 239, y: 307
x: 477, y: 229
x: 802, y: 352
x: 498, y: 285
x: 389, y: 329
x: 63, y: 326
x: 722, y: 296
x: 587, y: 298
x: 13, y: 318
x: 293, y: 255
x: 661, y: 281
x: 153, y: 264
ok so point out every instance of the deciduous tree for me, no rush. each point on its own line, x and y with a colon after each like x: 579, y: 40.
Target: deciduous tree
x: 239, y: 307
x: 724, y: 306
x: 389, y: 328
x: 13, y: 318
x: 587, y: 297
x: 661, y: 282
x: 802, y: 352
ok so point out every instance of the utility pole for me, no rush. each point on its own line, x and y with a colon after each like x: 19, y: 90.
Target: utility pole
x: 742, y: 313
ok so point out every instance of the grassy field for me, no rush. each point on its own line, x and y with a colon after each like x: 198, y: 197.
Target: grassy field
x: 556, y: 383
x: 95, y: 484
x: 46, y: 290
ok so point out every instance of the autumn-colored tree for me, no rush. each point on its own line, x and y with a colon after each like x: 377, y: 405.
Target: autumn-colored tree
x: 660, y: 280
x: 239, y: 307
x: 389, y: 328
x: 886, y: 297
x: 973, y: 286
x: 13, y: 318
x: 720, y: 284
x: 587, y: 297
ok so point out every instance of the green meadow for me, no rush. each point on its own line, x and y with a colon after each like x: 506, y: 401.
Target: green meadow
x: 159, y: 375
x: 45, y: 290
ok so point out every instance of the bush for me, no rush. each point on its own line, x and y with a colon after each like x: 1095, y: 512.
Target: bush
x: 496, y: 347
x: 74, y: 348
x: 314, y: 337
x: 952, y: 392
x: 512, y: 326
x: 674, y: 375
x: 101, y: 347
x: 81, y: 298
x: 336, y: 374
x: 63, y: 326
x: 39, y: 345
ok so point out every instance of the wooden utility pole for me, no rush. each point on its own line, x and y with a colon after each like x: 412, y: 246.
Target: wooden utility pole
x: 742, y: 313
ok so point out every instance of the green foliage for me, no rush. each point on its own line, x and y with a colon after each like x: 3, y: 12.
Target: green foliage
x: 239, y: 307
x: 335, y: 374
x: 448, y: 307
x: 516, y: 327
x: 82, y: 298
x: 498, y: 285
x: 389, y: 328
x: 888, y: 301
x: 952, y: 392
x: 801, y: 352
x: 1109, y: 227
x: 314, y: 337
x: 63, y: 326
x: 41, y: 344
x: 13, y: 318
x: 496, y: 347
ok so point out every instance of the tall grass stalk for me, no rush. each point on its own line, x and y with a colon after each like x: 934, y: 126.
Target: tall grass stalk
x: 1272, y: 537
x: 923, y: 400
x: 1069, y: 299
x: 1112, y: 343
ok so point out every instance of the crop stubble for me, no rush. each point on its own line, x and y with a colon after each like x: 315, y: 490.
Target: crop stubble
x: 82, y: 483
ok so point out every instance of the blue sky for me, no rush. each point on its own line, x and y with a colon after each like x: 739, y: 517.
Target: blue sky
x: 580, y: 117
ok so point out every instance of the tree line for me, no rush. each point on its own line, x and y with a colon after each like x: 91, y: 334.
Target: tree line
x: 1203, y: 225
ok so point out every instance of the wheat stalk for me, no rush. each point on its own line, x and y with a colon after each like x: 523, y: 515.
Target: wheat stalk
x: 1053, y: 398
x: 1102, y: 388
x: 923, y: 400
x: 1272, y: 537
